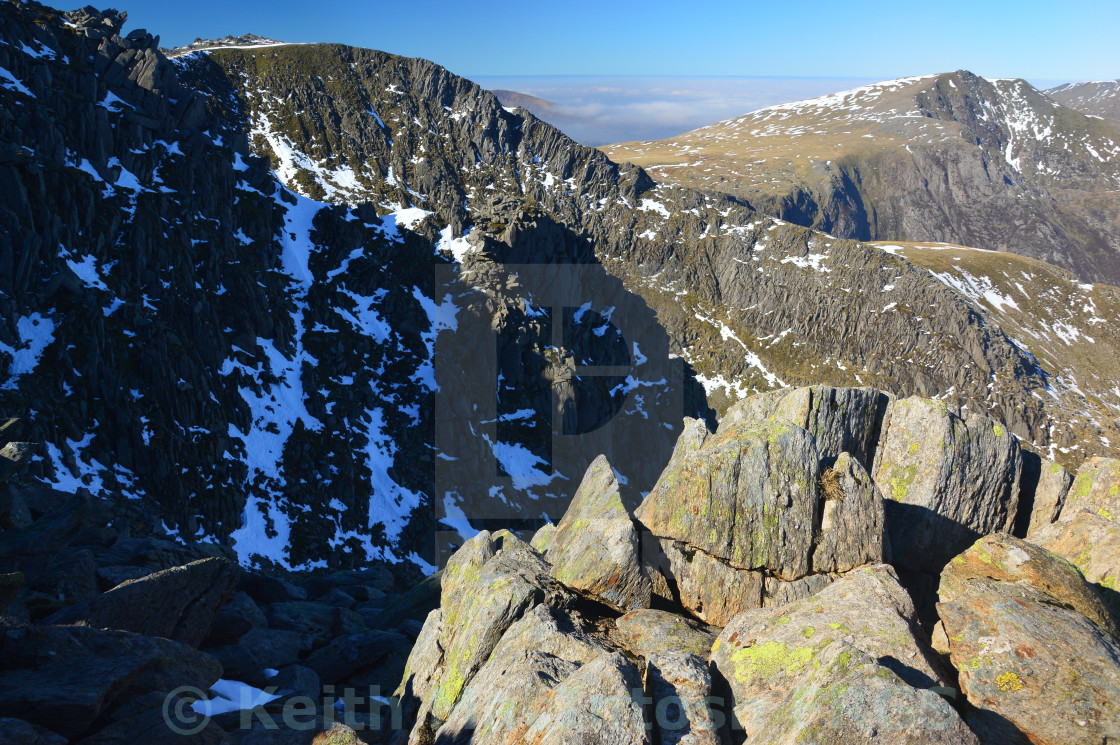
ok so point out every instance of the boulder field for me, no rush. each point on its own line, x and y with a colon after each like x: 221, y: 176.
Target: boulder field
x: 828, y: 566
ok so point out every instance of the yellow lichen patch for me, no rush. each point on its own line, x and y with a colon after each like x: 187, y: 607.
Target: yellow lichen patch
x: 1009, y: 681
x: 998, y: 430
x: 769, y: 659
x: 808, y: 632
x: 900, y: 482
x: 1082, y: 485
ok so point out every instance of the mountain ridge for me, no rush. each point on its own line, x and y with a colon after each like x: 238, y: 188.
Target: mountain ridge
x: 304, y: 346
x: 949, y: 157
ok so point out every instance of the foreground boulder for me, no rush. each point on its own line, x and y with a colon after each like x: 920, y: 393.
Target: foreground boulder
x: 1092, y: 544
x: 65, y: 678
x: 736, y: 519
x: 867, y: 609
x: 1034, y: 647
x: 535, y: 655
x: 595, y: 704
x: 839, y: 667
x: 488, y: 584
x: 594, y: 549
x: 843, y: 666
x: 947, y: 481
x: 178, y: 603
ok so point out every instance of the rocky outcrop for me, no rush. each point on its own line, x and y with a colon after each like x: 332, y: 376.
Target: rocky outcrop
x: 820, y: 669
x: 1020, y: 624
x: 595, y: 547
x: 745, y: 517
x: 947, y: 481
x: 843, y: 420
x: 820, y: 641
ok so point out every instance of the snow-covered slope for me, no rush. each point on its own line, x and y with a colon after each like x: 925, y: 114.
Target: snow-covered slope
x: 1096, y: 98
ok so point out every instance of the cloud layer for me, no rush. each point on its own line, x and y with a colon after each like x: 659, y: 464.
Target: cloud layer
x: 598, y: 110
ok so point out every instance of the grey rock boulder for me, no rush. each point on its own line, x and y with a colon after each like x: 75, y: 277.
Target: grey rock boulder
x: 947, y: 480
x: 867, y: 609
x: 656, y: 632
x: 746, y: 497
x: 497, y: 706
x: 1092, y: 544
x: 596, y: 704
x: 1049, y: 484
x: 235, y: 619
x: 710, y: 588
x: 178, y: 603
x: 480, y: 601
x: 534, y: 655
x: 65, y: 678
x: 832, y: 693
x: 17, y: 731
x: 1032, y: 664
x: 348, y: 654
x: 1096, y: 488
x: 678, y: 689
x: 852, y: 530
x: 542, y: 539
x: 595, y: 549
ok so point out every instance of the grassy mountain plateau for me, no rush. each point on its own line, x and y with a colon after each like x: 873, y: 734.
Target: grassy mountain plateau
x: 331, y: 384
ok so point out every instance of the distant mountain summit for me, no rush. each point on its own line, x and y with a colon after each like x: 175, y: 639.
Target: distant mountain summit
x: 245, y: 41
x: 951, y: 157
x: 1098, y: 98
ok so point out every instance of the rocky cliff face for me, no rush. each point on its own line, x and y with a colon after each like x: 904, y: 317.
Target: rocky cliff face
x: 476, y: 309
x: 957, y: 158
x: 748, y: 301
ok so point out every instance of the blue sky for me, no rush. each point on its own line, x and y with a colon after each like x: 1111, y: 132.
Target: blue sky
x: 1040, y: 41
